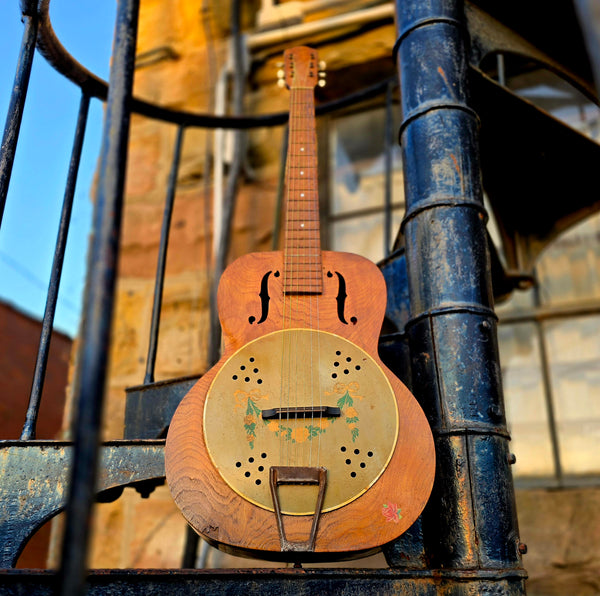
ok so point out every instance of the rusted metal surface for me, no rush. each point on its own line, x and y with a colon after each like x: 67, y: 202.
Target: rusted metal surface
x: 470, y: 521
x: 149, y: 408
x: 547, y: 161
x: 301, y: 582
x: 35, y: 475
x: 554, y: 31
x: 489, y: 36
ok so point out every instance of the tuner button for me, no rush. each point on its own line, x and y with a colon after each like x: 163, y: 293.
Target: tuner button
x: 279, y: 64
x: 322, y: 83
x: 322, y: 75
x: 281, y: 83
x: 322, y: 64
x: 280, y: 73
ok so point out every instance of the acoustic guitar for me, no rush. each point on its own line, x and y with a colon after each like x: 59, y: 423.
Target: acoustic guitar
x: 299, y: 444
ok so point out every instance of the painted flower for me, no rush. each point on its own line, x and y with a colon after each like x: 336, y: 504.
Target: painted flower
x: 391, y: 512
x: 249, y: 419
x: 273, y: 426
x: 351, y: 412
x: 323, y: 423
x: 300, y: 434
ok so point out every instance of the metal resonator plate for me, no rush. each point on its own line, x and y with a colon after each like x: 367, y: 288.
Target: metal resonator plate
x: 296, y: 369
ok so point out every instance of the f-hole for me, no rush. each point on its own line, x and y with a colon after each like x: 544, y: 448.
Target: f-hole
x: 264, y: 299
x: 341, y: 299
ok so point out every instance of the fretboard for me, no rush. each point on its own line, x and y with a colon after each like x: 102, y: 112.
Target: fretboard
x: 302, y: 251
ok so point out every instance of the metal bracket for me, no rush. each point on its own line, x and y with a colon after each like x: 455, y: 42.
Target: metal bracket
x: 297, y: 475
x: 35, y: 473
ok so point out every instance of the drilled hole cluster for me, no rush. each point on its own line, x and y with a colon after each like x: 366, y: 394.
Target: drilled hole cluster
x: 343, y: 365
x: 253, y: 468
x: 354, y: 460
x: 248, y: 372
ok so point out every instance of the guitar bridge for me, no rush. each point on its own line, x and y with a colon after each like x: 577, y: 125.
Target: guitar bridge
x: 297, y: 475
x: 301, y: 412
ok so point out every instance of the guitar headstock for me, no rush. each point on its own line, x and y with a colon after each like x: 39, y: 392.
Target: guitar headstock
x: 301, y: 69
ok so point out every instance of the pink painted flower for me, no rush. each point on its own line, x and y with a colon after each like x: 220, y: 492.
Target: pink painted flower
x: 391, y: 512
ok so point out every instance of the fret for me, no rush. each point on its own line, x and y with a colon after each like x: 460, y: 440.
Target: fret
x: 306, y: 274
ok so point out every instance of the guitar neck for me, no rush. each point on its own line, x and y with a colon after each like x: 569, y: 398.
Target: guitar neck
x: 302, y: 250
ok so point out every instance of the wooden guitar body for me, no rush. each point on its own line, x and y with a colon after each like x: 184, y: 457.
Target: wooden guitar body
x: 299, y: 444
x: 351, y: 307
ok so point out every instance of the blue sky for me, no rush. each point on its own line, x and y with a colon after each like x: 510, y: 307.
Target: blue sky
x: 31, y: 217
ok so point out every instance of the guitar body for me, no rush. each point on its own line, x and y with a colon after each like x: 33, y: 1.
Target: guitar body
x: 299, y: 444
x: 220, y: 505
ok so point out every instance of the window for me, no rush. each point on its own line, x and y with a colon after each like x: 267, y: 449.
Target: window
x: 549, y: 336
x: 357, y: 213
x: 550, y: 354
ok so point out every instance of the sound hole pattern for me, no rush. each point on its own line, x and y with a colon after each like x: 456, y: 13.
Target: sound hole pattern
x: 343, y: 366
x: 253, y: 469
x: 361, y: 462
x: 248, y: 372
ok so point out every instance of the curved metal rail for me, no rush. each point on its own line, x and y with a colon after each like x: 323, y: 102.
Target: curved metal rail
x: 63, y: 62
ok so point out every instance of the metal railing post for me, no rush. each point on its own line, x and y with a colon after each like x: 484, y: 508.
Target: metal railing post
x: 99, y: 300
x: 17, y: 100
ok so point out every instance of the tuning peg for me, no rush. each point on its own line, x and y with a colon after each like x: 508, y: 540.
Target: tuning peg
x: 322, y: 75
x: 280, y: 73
x: 322, y: 64
x: 281, y: 83
x: 322, y: 83
x: 279, y: 64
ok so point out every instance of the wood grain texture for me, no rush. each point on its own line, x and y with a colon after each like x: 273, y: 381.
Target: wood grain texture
x: 234, y: 524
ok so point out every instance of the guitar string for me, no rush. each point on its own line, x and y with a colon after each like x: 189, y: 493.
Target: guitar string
x: 318, y: 269
x: 288, y: 266
x: 282, y: 395
x: 302, y: 136
x: 309, y: 245
x: 310, y: 248
x: 307, y: 253
x: 306, y: 249
x: 312, y: 260
x: 293, y: 376
x: 292, y: 281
